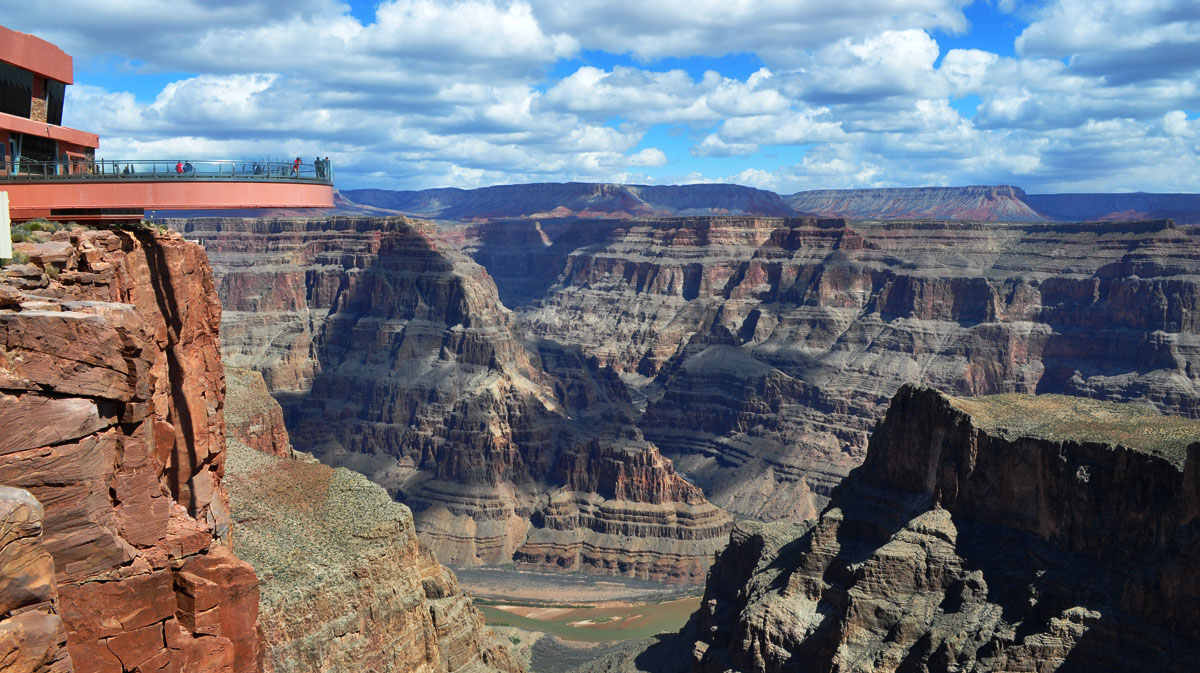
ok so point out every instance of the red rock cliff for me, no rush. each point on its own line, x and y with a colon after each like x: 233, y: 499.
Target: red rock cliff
x: 32, y: 637
x: 111, y: 400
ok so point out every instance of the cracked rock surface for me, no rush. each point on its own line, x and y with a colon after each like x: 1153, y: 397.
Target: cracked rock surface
x: 1005, y: 533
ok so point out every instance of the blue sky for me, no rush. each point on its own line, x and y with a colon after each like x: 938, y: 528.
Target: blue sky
x: 1049, y: 95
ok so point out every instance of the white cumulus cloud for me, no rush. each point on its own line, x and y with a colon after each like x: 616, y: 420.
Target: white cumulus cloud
x: 1095, y: 95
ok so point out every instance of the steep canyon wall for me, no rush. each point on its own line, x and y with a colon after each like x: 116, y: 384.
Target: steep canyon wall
x: 766, y: 348
x: 755, y: 352
x: 112, y: 404
x: 392, y: 355
x: 116, y: 531
x: 346, y: 586
x: 1005, y: 533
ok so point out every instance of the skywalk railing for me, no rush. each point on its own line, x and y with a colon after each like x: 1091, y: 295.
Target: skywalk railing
x: 26, y: 169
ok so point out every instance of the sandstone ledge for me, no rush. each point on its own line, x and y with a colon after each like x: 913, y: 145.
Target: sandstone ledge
x: 111, y: 397
x: 32, y: 637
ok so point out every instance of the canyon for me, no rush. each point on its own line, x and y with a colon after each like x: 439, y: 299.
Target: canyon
x: 765, y: 349
x: 392, y: 355
x: 1000, y: 533
x: 599, y: 395
x: 345, y: 584
x: 531, y: 387
x: 117, y: 532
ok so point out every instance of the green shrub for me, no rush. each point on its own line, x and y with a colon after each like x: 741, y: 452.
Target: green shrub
x: 42, y: 225
x: 32, y: 231
x: 52, y: 271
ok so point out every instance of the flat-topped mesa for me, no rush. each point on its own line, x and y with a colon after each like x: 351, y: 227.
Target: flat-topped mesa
x: 977, y: 202
x: 999, y: 533
x: 392, y: 355
x: 112, y: 404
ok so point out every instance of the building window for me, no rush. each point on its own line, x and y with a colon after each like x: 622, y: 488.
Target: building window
x: 44, y: 151
x: 55, y: 91
x: 16, y: 90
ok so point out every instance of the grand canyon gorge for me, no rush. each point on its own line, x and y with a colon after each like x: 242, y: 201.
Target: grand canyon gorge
x: 521, y: 336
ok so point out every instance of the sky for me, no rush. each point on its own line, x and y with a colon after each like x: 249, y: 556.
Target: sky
x: 787, y: 95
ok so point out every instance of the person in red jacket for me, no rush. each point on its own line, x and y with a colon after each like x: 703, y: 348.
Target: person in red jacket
x: 179, y: 167
x: 296, y: 166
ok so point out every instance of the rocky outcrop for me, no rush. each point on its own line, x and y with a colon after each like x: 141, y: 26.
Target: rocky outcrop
x: 252, y: 417
x: 32, y: 637
x: 346, y: 585
x: 392, y: 355
x: 767, y: 348
x: 111, y: 397
x: 1006, y: 533
x: 574, y: 199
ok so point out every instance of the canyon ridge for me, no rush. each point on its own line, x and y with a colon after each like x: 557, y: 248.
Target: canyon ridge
x: 596, y: 394
x: 121, y: 548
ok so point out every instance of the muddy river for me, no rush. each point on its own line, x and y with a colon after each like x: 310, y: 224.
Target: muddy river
x: 593, y: 623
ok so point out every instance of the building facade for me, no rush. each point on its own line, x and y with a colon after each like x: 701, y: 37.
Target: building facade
x: 52, y: 171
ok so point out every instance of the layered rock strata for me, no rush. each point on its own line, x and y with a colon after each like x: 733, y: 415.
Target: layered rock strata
x: 252, y: 417
x: 346, y: 585
x: 32, y: 637
x: 111, y: 398
x: 766, y: 348
x: 392, y: 355
x: 1005, y: 533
